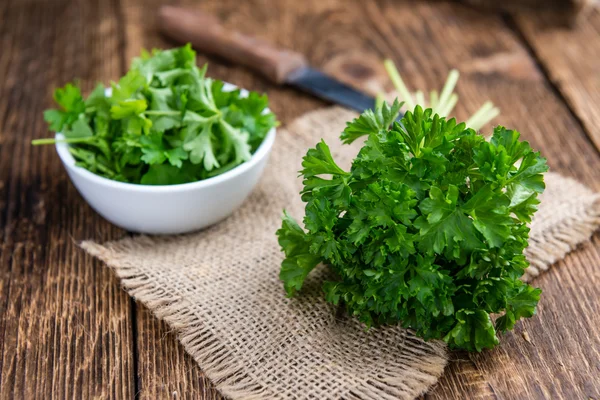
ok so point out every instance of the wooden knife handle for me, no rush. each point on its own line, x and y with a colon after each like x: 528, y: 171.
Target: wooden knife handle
x: 207, y: 35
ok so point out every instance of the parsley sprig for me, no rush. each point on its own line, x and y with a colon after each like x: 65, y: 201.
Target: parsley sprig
x: 426, y: 229
x: 164, y: 123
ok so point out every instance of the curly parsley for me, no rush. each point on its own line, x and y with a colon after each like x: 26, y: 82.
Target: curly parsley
x: 427, y: 228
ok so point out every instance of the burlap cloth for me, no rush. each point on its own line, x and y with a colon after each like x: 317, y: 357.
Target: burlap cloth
x: 220, y: 290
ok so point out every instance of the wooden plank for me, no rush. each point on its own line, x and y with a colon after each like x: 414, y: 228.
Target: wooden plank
x: 571, y: 59
x: 65, y: 326
x: 165, y: 370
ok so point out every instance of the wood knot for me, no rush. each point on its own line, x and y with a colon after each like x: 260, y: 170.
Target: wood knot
x: 516, y: 65
x: 357, y: 71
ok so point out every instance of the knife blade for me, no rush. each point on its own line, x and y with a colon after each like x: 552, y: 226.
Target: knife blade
x: 325, y: 87
x: 207, y: 35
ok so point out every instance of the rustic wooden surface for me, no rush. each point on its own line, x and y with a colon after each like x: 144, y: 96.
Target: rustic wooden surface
x: 67, y: 330
x: 571, y: 60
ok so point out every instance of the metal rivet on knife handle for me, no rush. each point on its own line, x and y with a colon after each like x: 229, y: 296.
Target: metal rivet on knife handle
x: 207, y: 35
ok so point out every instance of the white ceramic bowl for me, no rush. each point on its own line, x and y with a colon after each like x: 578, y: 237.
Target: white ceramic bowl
x: 168, y: 209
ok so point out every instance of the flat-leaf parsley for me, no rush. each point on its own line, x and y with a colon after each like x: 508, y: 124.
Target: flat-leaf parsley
x: 164, y: 123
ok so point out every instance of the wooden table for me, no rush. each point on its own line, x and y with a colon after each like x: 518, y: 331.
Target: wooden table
x: 67, y: 330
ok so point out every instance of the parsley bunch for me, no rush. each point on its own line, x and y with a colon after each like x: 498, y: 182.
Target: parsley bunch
x: 164, y: 123
x: 427, y: 228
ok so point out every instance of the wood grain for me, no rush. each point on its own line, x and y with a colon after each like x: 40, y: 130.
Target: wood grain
x: 67, y: 330
x: 65, y: 325
x: 571, y: 59
x: 165, y: 370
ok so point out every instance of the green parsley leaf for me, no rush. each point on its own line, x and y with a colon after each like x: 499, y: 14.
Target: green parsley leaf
x: 299, y: 261
x: 427, y: 229
x: 128, y: 108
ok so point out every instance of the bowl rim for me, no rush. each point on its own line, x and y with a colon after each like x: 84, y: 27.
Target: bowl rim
x: 261, y: 152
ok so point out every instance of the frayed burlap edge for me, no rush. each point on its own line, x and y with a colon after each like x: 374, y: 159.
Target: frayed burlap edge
x: 211, y: 354
x: 557, y: 243
x: 550, y: 244
x: 425, y: 361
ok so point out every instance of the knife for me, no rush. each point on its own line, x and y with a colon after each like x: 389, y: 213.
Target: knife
x: 207, y: 35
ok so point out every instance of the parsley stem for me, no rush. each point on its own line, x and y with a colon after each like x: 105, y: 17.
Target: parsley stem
x: 420, y: 98
x: 487, y: 106
x: 379, y: 100
x: 38, y: 142
x: 448, y: 105
x: 433, y: 100
x: 105, y: 169
x: 156, y: 112
x: 399, y: 83
x: 485, y: 114
x: 448, y: 88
